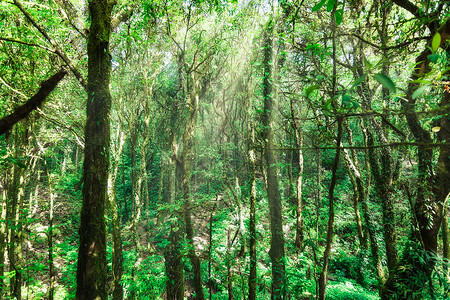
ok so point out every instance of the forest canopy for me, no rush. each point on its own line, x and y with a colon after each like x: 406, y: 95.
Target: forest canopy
x: 294, y: 149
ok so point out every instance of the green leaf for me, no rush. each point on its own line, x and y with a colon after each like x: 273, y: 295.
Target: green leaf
x: 368, y: 64
x: 346, y: 101
x: 327, y: 104
x: 385, y: 81
x: 338, y: 16
x: 358, y: 81
x: 313, y: 47
x: 330, y: 5
x: 419, y: 91
x: 319, y: 5
x: 433, y: 57
x: 355, y: 105
x: 436, y: 42
x: 18, y: 163
x: 311, y: 89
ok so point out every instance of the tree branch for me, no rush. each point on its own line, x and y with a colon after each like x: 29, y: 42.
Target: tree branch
x: 413, y: 9
x: 6, y: 123
x: 123, y: 16
x: 26, y: 44
x: 387, y: 47
x: 58, y: 50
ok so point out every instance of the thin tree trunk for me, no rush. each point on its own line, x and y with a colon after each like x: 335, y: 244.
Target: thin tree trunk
x: 445, y: 233
x: 252, y: 279
x: 192, y: 102
x: 211, y: 220
x: 3, y: 235
x: 299, y: 144
x: 117, y: 256
x: 91, y: 271
x: 326, y: 254
x: 15, y: 217
x: 229, y: 272
x: 355, y: 174
x: 276, y: 251
x: 172, y: 254
x: 51, y: 266
x: 367, y: 219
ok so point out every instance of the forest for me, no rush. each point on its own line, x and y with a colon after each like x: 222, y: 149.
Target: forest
x: 214, y: 149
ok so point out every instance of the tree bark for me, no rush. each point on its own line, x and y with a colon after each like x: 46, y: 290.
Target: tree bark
x: 7, y: 122
x: 91, y: 270
x: 299, y: 144
x: 276, y: 251
x: 117, y: 256
x: 172, y: 254
x: 355, y: 174
x: 252, y: 279
x: 445, y: 234
x: 326, y: 254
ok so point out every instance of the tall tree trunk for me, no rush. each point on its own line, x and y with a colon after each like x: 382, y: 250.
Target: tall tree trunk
x: 172, y: 253
x: 355, y: 174
x: 382, y: 175
x: 15, y: 218
x: 229, y: 272
x: 184, y: 167
x: 3, y: 233
x: 252, y: 279
x: 276, y: 252
x: 51, y: 266
x: 299, y: 144
x: 117, y: 255
x: 326, y: 254
x: 210, y: 249
x: 91, y: 271
x: 367, y: 215
x: 445, y: 233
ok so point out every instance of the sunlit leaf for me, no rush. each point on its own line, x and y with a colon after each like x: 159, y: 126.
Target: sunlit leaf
x: 436, y: 129
x: 419, y: 91
x: 436, y: 42
x: 385, y: 81
x: 319, y: 5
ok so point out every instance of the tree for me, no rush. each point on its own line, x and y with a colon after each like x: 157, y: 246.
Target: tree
x: 273, y: 194
x: 91, y: 271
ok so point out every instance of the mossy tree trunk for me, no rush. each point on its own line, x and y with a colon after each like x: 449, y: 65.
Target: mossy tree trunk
x: 252, y: 279
x: 276, y: 252
x: 330, y: 228
x: 117, y: 256
x: 172, y: 253
x: 91, y: 270
x: 15, y: 218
